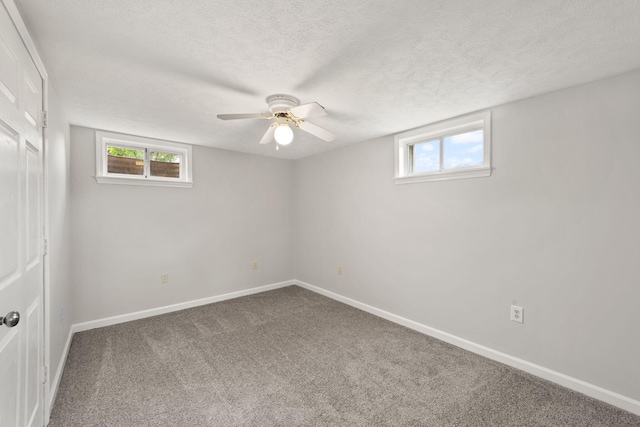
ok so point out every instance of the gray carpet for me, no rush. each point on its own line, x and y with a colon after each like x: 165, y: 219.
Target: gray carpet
x: 291, y: 357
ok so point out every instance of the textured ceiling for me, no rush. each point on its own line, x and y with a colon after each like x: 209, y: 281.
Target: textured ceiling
x: 165, y: 68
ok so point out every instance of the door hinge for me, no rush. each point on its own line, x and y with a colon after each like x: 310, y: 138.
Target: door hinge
x: 45, y: 119
x: 45, y: 247
x: 45, y: 372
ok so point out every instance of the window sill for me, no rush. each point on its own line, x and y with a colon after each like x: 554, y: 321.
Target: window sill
x: 443, y: 176
x: 142, y: 181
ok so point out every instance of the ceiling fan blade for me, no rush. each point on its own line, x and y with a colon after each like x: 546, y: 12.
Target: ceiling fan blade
x: 244, y: 116
x: 317, y: 131
x: 312, y: 109
x: 268, y: 136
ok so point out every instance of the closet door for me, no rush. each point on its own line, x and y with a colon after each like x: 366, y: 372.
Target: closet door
x: 21, y: 237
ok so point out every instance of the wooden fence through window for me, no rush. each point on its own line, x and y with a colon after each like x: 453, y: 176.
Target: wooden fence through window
x: 129, y: 166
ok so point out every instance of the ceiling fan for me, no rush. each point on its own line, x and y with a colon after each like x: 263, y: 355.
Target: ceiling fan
x: 286, y: 109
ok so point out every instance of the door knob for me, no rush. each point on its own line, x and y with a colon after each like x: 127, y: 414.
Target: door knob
x: 11, y: 319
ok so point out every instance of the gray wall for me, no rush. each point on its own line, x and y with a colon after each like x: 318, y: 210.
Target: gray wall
x: 205, y: 237
x: 58, y: 261
x: 556, y: 229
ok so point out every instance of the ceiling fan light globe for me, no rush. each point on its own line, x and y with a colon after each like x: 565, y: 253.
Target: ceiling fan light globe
x: 283, y: 134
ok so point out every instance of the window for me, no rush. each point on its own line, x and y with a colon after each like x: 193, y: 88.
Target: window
x: 125, y: 159
x: 453, y: 149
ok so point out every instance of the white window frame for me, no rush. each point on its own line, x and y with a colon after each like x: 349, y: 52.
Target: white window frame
x: 469, y: 123
x: 103, y: 139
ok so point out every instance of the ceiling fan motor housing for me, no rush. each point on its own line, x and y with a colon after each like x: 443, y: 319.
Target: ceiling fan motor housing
x: 286, y: 110
x: 280, y: 103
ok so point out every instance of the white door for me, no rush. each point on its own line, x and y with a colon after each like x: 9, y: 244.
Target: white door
x: 21, y: 241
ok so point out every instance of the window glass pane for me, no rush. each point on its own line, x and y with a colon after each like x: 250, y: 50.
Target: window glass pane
x: 129, y: 161
x: 165, y: 164
x: 462, y: 150
x: 425, y: 156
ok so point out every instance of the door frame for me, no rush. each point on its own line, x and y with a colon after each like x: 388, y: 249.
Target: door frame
x: 21, y: 27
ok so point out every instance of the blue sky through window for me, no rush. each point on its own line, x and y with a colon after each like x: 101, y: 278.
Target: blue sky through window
x: 465, y: 149
x: 426, y: 156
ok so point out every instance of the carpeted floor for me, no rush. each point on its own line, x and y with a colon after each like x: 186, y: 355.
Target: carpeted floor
x: 291, y: 357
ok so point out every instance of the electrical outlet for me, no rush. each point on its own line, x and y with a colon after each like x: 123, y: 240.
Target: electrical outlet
x: 255, y: 265
x: 164, y: 278
x: 340, y: 270
x: 61, y: 316
x: 517, y: 314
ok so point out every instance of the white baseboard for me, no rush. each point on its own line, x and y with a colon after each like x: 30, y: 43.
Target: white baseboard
x: 85, y: 326
x: 93, y: 324
x: 575, y: 384
x: 53, y: 390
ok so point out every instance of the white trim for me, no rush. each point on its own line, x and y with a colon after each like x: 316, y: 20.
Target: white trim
x: 53, y: 391
x: 136, y: 181
x: 442, y: 176
x: 46, y: 294
x: 114, y: 320
x: 138, y: 142
x: 85, y: 326
x: 438, y: 131
x: 575, y: 384
x: 14, y: 14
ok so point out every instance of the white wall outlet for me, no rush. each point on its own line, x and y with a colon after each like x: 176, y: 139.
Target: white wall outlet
x: 164, y: 278
x: 517, y: 314
x: 340, y: 270
x: 255, y: 265
x: 61, y: 316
